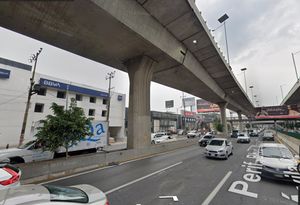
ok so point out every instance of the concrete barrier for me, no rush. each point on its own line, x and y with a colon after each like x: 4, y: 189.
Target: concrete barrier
x: 47, y: 170
x: 290, y: 142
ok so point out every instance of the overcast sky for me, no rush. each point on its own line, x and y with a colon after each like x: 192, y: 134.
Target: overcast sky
x: 261, y: 36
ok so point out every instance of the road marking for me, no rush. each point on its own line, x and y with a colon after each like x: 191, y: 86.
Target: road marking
x: 141, y: 178
x: 175, y: 198
x: 217, y: 188
x: 250, y: 147
x: 75, y: 175
x: 101, y: 168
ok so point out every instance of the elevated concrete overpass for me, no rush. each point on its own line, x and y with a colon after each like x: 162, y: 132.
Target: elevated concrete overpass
x: 166, y: 41
x: 293, y: 97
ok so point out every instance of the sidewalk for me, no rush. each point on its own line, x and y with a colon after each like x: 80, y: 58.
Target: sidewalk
x: 291, y: 142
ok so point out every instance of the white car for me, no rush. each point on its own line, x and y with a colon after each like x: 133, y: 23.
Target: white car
x: 9, y: 176
x: 243, y: 137
x: 219, y: 148
x: 56, y: 195
x: 28, y: 152
x: 275, y: 159
x: 159, y: 137
x: 193, y: 134
x: 268, y: 135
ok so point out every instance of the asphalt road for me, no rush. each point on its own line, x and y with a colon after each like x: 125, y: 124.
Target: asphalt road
x: 189, y: 176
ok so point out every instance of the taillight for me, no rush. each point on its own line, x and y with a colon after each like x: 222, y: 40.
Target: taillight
x: 14, y: 178
x: 107, y: 203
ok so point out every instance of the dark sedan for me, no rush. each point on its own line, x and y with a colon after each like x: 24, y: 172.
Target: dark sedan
x: 205, y: 140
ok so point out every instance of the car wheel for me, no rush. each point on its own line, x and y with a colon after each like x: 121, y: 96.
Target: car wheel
x: 152, y: 142
x: 226, y: 155
x: 16, y: 160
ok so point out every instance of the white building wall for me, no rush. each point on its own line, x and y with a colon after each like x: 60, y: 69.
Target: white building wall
x: 13, y: 97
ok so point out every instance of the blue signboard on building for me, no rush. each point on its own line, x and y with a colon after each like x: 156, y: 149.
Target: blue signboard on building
x: 73, y: 88
x: 4, y: 73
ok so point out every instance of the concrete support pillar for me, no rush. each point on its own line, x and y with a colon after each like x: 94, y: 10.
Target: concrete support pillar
x: 140, y: 71
x: 223, y: 107
x: 240, y: 121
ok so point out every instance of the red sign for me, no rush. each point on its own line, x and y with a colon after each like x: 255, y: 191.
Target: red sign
x: 189, y: 114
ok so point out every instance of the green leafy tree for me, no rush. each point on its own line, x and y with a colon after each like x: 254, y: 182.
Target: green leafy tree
x: 64, y: 128
x: 218, y: 125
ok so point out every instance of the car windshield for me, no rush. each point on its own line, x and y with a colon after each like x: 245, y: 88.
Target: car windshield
x: 24, y: 146
x: 276, y: 152
x: 216, y: 142
x: 67, y: 194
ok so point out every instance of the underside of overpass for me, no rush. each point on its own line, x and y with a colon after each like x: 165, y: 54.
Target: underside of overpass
x: 143, y: 37
x: 293, y: 97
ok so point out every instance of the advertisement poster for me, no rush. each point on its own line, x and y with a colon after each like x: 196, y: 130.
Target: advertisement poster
x: 278, y: 112
x: 204, y: 106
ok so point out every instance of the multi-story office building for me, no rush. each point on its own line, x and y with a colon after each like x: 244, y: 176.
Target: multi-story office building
x: 14, y: 85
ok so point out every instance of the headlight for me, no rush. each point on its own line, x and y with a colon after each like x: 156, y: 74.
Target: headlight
x: 221, y: 150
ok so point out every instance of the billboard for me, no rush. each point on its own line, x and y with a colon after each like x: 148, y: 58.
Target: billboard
x: 278, y: 112
x: 169, y: 103
x: 205, y: 106
x: 188, y: 102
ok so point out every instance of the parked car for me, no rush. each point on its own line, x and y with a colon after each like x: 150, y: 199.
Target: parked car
x: 234, y: 133
x: 9, y: 176
x: 276, y: 158
x: 219, y: 148
x: 49, y: 194
x: 159, y: 137
x: 243, y: 137
x: 205, y: 140
x: 193, y: 134
x: 33, y: 151
x: 253, y: 133
x: 268, y: 135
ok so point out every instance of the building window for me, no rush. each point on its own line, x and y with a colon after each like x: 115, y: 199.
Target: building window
x: 91, y: 112
x: 92, y: 100
x: 78, y: 97
x: 39, y: 107
x: 103, y: 113
x: 42, y: 91
x: 61, y: 94
x: 104, y: 102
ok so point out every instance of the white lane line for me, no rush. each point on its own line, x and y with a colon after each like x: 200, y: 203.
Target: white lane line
x: 75, y: 175
x: 141, y: 178
x: 217, y: 188
x: 250, y: 148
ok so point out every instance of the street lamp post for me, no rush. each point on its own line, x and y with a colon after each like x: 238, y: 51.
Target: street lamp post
x: 294, y: 62
x: 109, y: 77
x: 251, y: 88
x: 223, y: 19
x: 31, y: 91
x: 244, y: 70
x: 281, y: 90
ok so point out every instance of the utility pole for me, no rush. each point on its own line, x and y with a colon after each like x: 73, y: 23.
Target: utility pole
x: 183, y: 104
x: 31, y: 91
x: 109, y: 77
x: 293, y: 57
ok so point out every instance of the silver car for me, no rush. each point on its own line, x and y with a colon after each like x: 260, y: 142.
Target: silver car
x: 49, y: 194
x: 219, y: 148
x: 276, y: 160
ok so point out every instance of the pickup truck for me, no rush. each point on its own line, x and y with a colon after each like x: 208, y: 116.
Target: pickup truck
x: 33, y: 150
